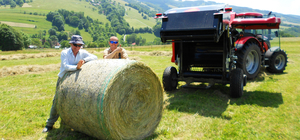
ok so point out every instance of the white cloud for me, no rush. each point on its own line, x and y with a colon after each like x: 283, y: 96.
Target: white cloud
x: 280, y: 6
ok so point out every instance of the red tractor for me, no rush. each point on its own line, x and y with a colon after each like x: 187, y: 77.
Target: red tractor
x: 213, y: 44
x: 258, y: 32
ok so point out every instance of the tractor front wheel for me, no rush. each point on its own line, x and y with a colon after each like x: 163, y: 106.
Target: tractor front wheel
x: 249, y: 60
x: 236, y: 83
x: 169, y: 78
x: 277, y: 62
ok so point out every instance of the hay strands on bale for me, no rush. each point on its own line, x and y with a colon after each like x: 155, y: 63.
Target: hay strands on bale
x: 111, y: 99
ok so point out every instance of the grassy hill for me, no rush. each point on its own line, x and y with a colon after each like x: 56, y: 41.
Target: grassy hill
x: 32, y: 24
x: 135, y: 19
x: 37, y: 22
x: 42, y: 7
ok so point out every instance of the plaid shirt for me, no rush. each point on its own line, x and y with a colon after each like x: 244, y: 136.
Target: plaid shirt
x: 124, y: 55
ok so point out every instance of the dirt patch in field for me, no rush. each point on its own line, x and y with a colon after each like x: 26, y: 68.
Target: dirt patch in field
x: 26, y: 5
x: 26, y: 56
x: 16, y: 70
x: 15, y: 24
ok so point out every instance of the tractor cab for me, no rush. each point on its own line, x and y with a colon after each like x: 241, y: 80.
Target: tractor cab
x: 264, y: 28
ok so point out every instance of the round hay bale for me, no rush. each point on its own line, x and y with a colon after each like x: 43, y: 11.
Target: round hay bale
x: 111, y: 99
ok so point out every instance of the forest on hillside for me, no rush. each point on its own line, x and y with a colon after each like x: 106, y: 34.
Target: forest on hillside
x: 14, y: 3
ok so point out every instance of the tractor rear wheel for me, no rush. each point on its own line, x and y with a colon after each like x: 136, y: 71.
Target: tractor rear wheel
x: 169, y: 79
x: 277, y: 62
x: 236, y: 83
x: 249, y: 60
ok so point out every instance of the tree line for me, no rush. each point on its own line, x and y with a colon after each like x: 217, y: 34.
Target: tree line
x: 11, y: 39
x: 98, y: 30
x: 293, y: 31
x: 14, y: 3
x: 115, y: 13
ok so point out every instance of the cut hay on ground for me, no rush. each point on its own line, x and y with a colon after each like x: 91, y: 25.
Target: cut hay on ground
x: 27, y: 56
x: 153, y: 53
x: 135, y: 58
x: 16, y: 70
x: 111, y: 99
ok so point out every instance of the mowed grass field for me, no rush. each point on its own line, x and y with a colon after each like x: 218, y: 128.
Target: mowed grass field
x: 269, y: 109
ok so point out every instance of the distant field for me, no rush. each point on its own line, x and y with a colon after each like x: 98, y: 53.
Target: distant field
x: 135, y: 19
x: 20, y: 21
x: 14, y: 24
x: 71, y: 5
x: 286, y: 22
x: 149, y: 37
x: 18, y: 17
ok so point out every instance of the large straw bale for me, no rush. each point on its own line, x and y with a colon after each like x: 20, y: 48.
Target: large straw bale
x: 111, y: 99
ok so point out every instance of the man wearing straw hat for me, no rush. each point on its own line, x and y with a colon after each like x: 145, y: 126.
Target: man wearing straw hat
x: 71, y: 60
x: 114, y: 52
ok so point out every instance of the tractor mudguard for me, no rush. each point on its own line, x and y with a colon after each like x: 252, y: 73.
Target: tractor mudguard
x: 239, y: 44
x: 271, y: 51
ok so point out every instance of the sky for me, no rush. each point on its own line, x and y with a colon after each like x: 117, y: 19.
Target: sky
x: 279, y: 6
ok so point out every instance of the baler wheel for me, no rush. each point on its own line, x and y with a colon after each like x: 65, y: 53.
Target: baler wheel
x: 169, y: 78
x: 236, y: 83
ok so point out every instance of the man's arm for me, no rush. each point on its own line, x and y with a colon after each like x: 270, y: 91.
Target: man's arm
x: 125, y: 55
x: 108, y: 55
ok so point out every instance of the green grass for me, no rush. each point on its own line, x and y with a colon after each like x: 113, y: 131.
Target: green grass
x: 39, y: 21
x: 135, y: 19
x: 29, y: 51
x: 39, y: 61
x: 45, y: 6
x: 150, y: 48
x: 149, y: 37
x: 70, y: 5
x: 269, y: 108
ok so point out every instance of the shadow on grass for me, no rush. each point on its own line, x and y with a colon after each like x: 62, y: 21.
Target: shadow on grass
x: 260, y: 98
x: 214, y: 101
x: 264, y: 74
x: 66, y: 133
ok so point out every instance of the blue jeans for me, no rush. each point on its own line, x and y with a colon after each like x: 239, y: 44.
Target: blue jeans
x: 53, y: 112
